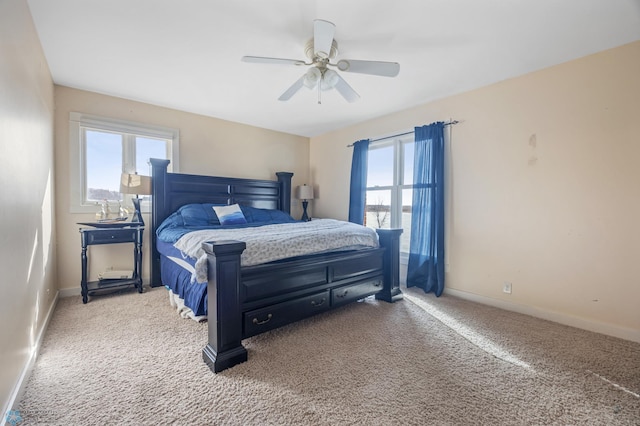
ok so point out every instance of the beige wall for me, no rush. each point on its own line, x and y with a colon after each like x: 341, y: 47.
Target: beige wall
x: 543, y: 189
x: 207, y: 146
x: 27, y: 221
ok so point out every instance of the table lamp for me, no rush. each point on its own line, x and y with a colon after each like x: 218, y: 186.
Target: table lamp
x: 304, y: 193
x: 137, y: 185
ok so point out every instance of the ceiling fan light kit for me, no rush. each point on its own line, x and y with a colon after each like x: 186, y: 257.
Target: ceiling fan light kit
x: 320, y: 50
x: 312, y: 77
x: 329, y: 79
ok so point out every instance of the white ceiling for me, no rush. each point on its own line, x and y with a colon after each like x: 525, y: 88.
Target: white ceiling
x: 186, y: 54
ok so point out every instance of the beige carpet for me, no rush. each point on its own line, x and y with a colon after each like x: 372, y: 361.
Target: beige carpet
x: 128, y: 359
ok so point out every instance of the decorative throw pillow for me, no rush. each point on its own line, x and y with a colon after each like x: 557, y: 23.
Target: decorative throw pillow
x: 229, y: 215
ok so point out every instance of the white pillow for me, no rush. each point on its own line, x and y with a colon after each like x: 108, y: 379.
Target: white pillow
x: 229, y: 215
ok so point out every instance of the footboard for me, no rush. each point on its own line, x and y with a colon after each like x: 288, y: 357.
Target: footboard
x: 243, y: 302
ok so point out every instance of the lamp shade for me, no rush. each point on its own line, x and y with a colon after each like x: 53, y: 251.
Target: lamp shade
x: 304, y: 192
x: 135, y: 184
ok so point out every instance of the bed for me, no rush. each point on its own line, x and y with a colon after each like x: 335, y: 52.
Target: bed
x: 241, y: 301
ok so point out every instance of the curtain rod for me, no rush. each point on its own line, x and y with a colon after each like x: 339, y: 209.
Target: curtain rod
x: 448, y: 123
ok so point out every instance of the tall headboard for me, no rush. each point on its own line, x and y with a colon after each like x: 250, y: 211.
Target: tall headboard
x: 169, y: 191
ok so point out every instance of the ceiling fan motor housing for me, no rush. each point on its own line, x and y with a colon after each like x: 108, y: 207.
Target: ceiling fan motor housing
x: 316, y: 59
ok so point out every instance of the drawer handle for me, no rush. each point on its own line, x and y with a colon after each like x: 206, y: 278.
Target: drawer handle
x: 255, y: 320
x: 314, y: 303
x: 343, y: 294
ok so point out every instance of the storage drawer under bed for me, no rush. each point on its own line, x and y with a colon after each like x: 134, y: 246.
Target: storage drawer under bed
x: 270, y: 317
x: 351, y: 292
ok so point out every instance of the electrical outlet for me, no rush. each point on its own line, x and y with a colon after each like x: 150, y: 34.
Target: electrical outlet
x: 506, y: 287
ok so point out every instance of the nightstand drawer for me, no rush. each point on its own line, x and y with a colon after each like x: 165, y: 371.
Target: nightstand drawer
x: 111, y: 236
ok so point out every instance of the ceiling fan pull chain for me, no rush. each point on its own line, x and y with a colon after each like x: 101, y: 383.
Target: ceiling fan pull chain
x: 320, y: 92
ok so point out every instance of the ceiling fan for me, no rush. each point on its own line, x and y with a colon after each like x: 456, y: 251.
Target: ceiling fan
x: 320, y: 50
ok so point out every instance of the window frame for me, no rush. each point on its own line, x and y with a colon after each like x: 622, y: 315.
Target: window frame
x: 398, y: 186
x: 129, y: 130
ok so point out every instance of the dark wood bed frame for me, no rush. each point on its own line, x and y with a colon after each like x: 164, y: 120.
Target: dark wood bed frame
x: 245, y: 301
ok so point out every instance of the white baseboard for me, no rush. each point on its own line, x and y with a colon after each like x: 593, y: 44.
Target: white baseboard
x: 69, y: 292
x: 562, y: 318
x: 18, y: 388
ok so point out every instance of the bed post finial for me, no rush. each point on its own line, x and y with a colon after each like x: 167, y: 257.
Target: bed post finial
x: 285, y: 191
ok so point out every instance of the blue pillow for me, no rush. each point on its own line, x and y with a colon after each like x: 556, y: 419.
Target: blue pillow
x: 230, y: 215
x: 199, y: 214
x: 173, y: 221
x: 256, y: 215
x: 203, y: 215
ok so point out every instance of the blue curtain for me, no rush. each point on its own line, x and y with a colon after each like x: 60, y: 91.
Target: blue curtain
x: 426, y: 249
x: 358, y: 189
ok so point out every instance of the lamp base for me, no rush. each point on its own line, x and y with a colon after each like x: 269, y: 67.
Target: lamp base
x: 137, y: 215
x: 304, y: 217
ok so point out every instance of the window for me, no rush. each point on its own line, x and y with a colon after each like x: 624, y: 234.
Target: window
x: 389, y: 186
x: 102, y: 149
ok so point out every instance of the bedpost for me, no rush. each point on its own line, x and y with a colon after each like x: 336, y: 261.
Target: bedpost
x: 390, y: 240
x: 284, y: 178
x: 224, y: 349
x: 158, y: 214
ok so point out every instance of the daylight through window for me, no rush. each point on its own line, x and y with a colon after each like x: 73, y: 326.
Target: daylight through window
x: 389, y: 186
x: 105, y: 149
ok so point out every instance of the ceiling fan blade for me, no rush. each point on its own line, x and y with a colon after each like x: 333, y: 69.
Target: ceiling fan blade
x: 264, y: 60
x: 385, y: 69
x: 293, y: 89
x: 323, y: 32
x: 345, y: 90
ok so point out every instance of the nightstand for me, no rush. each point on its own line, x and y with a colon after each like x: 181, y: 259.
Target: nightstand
x: 111, y: 234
